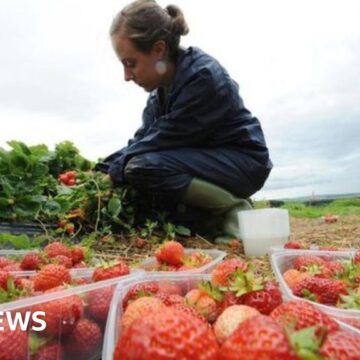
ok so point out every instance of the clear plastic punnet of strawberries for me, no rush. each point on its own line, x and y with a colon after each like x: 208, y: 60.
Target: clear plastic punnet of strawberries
x: 232, y: 313
x: 56, y: 313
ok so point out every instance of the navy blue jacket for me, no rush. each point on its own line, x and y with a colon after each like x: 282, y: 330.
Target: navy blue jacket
x: 203, y: 110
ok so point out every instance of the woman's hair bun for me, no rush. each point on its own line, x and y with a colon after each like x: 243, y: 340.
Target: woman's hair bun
x: 179, y: 25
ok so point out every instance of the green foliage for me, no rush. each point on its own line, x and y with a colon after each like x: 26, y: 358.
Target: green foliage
x: 67, y: 157
x: 32, y: 191
x: 341, y: 207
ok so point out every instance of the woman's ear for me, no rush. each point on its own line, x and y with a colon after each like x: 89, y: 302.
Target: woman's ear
x: 159, y: 49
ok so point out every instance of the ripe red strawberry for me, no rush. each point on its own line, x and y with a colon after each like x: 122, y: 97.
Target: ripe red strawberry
x: 294, y: 245
x: 302, y: 314
x: 223, y: 272
x: 62, y: 260
x: 51, y: 276
x: 120, y: 268
x: 77, y: 254
x: 57, y: 248
x: 140, y: 290
x: 84, y: 341
x: 230, y: 319
x: 61, y: 314
x: 169, y: 300
x: 324, y: 291
x: 203, y: 303
x: 140, y: 243
x: 169, y: 287
x: 32, y: 261
x: 265, y: 301
x: 170, y: 253
x: 258, y: 337
x: 13, y: 343
x: 341, y: 345
x: 51, y: 351
x: 189, y: 310
x: 5, y: 262
x: 99, y: 303
x: 229, y: 299
x: 357, y: 257
x: 335, y: 267
x: 12, y: 267
x: 167, y: 334
x: 4, y: 276
x: 303, y: 261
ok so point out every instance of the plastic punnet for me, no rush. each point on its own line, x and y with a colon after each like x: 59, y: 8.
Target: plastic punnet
x: 58, y: 329
x: 282, y: 261
x: 217, y: 256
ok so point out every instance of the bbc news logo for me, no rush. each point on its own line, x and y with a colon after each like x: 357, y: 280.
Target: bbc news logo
x: 22, y: 320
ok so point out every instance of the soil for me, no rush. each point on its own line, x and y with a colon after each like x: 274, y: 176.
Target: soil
x: 344, y: 233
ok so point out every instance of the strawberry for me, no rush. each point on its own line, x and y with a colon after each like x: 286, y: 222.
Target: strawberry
x: 294, y: 245
x: 169, y: 334
x: 13, y: 343
x: 223, y: 272
x: 77, y: 254
x: 189, y: 310
x: 169, y: 287
x: 293, y: 276
x: 51, y: 276
x: 69, y: 228
x: 109, y: 271
x: 61, y: 314
x: 170, y: 253
x: 229, y: 320
x: 357, y: 257
x: 203, y: 303
x: 341, y: 345
x: 140, y: 290
x: 265, y: 300
x: 4, y: 276
x: 84, y: 341
x: 57, y: 248
x: 302, y: 314
x: 324, y: 291
x: 169, y: 300
x: 32, y: 261
x: 229, y: 299
x: 258, y: 337
x: 140, y: 243
x: 303, y: 261
x: 335, y: 267
x: 51, y: 351
x: 62, y: 260
x: 5, y: 262
x: 99, y: 303
x: 139, y: 308
x: 12, y: 267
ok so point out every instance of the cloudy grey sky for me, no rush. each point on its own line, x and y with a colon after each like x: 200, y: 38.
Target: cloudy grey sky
x: 297, y: 63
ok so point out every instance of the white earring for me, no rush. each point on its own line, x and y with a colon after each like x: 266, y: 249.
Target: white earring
x: 160, y: 67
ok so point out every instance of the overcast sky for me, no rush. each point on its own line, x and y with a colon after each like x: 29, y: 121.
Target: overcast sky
x: 297, y: 64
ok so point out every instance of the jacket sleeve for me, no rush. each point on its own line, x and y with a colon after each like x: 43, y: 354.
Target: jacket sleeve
x: 195, y: 114
x: 147, y: 117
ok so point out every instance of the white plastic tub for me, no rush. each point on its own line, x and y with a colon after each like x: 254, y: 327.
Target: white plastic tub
x: 282, y: 261
x: 262, y: 228
x: 216, y: 255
